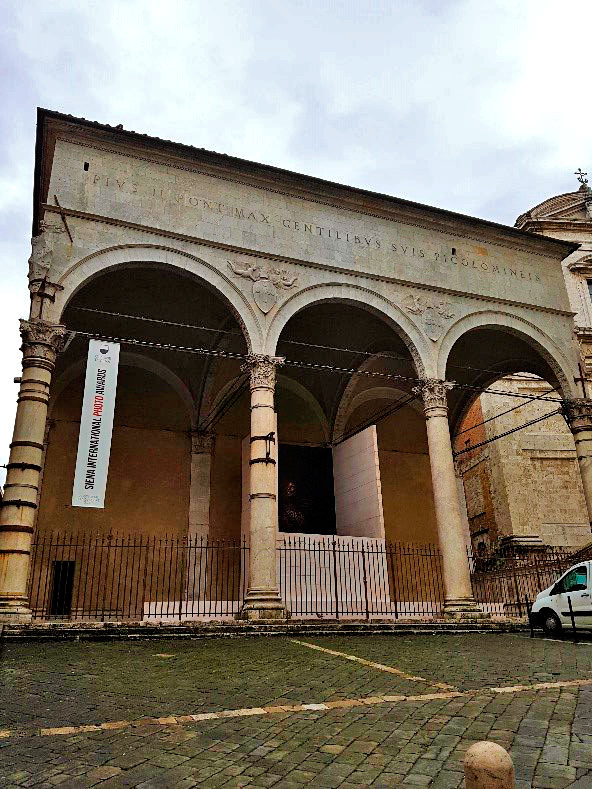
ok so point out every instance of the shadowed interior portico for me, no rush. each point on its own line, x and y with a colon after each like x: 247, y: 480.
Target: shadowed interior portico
x: 268, y: 321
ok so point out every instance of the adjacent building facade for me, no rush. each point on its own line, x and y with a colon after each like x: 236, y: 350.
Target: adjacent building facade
x: 295, y: 355
x: 525, y: 490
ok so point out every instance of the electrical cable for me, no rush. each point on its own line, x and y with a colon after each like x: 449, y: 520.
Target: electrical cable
x: 507, y: 432
x: 395, y: 376
x: 357, y: 352
x: 304, y: 365
x: 159, y: 321
x: 496, y: 416
x: 163, y: 346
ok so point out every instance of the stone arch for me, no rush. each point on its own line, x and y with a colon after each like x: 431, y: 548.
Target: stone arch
x: 540, y: 342
x: 128, y: 359
x: 350, y: 400
x: 91, y: 266
x: 362, y: 297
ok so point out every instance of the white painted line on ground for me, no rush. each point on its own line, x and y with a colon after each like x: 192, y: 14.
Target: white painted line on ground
x: 176, y: 720
x: 372, y: 664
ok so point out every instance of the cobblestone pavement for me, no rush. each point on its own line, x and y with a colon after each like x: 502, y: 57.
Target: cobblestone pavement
x: 376, y: 712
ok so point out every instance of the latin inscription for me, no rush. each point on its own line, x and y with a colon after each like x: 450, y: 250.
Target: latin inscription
x: 310, y: 230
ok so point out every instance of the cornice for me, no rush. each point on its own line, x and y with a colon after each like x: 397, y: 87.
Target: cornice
x: 299, y: 261
x: 539, y: 225
x: 581, y: 267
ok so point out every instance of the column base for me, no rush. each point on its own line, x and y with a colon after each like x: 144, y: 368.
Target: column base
x: 463, y: 608
x: 14, y: 611
x: 263, y: 604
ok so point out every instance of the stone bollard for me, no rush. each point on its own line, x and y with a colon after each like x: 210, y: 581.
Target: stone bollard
x: 488, y: 766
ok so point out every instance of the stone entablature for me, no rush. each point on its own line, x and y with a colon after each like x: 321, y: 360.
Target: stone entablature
x: 223, y: 200
x: 274, y: 242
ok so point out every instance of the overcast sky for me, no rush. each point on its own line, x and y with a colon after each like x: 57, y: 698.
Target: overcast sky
x: 478, y: 106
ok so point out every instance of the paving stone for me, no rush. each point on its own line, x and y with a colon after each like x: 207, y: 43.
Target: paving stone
x: 446, y: 779
x: 101, y: 773
x: 414, y: 779
x: 387, y: 744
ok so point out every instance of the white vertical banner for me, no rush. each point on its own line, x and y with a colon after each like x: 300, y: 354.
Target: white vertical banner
x: 96, y: 424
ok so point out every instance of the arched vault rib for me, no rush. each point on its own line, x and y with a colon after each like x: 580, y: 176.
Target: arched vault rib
x: 351, y: 399
x: 535, y: 353
x: 293, y: 386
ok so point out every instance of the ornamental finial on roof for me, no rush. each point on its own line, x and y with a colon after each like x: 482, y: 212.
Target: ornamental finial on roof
x: 581, y: 176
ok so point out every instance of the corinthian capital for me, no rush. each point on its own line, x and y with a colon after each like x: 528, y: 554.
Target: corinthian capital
x: 42, y: 342
x: 433, y: 392
x: 261, y: 369
x: 578, y: 414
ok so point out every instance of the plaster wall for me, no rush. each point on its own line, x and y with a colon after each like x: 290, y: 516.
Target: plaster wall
x: 148, y: 483
x: 405, y: 477
x: 225, y: 501
x: 358, y: 494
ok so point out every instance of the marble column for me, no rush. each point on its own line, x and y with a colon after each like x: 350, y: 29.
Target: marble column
x: 41, y: 344
x: 458, y: 594
x: 578, y: 415
x: 263, y: 599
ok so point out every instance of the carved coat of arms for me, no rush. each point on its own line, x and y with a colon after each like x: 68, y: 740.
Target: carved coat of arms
x: 266, y: 283
x: 433, y: 314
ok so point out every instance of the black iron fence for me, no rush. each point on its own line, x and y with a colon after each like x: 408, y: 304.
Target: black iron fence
x: 135, y: 577
x: 90, y: 577
x: 504, y: 583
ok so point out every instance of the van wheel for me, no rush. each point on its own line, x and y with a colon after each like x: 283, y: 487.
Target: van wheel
x: 551, y: 624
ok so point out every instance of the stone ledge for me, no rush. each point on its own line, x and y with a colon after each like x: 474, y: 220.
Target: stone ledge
x: 107, y: 631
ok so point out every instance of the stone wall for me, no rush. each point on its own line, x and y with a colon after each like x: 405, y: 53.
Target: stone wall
x: 527, y: 484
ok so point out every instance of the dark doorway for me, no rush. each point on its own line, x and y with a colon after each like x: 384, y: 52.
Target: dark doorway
x: 61, y: 589
x: 306, y: 499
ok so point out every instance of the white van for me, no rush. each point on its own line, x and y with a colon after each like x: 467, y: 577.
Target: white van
x: 551, y: 609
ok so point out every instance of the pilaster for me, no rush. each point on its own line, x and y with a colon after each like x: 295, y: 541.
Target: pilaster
x: 202, y: 447
x: 41, y: 285
x: 578, y: 415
